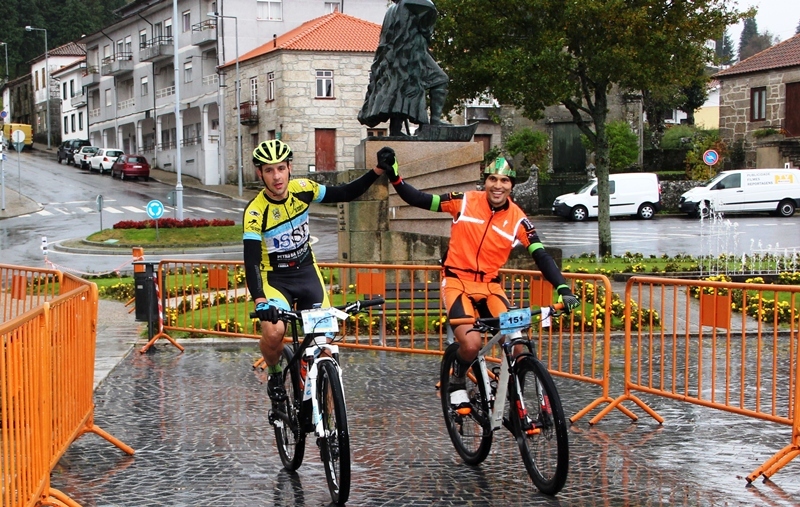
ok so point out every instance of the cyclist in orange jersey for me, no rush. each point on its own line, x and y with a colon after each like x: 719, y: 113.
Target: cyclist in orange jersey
x: 487, y: 225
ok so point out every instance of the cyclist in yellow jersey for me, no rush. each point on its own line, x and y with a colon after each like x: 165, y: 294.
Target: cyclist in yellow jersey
x: 279, y: 265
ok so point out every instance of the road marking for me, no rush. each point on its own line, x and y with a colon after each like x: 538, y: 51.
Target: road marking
x: 63, y: 211
x: 223, y: 209
x: 44, y: 213
x: 112, y: 210
x: 134, y: 209
x: 198, y: 208
x: 85, y: 209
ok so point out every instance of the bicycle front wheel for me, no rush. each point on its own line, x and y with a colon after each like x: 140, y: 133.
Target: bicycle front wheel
x: 469, y: 429
x: 289, y: 435
x: 541, y: 430
x: 334, y: 445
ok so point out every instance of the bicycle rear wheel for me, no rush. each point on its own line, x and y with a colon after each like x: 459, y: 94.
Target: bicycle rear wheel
x: 289, y: 436
x: 470, y: 432
x: 334, y: 446
x: 541, y: 431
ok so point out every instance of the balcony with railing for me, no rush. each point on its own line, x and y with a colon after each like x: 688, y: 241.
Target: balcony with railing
x: 204, y: 32
x: 211, y: 79
x: 165, y: 92
x: 78, y: 100
x: 91, y: 75
x: 191, y: 141
x: 117, y: 64
x: 124, y: 104
x: 249, y: 113
x: 157, y: 49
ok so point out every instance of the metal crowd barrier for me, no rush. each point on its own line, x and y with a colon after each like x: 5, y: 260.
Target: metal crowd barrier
x: 210, y: 298
x: 46, y: 380
x: 728, y: 346
x: 23, y: 288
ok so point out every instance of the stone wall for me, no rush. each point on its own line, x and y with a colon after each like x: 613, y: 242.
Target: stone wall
x: 295, y: 114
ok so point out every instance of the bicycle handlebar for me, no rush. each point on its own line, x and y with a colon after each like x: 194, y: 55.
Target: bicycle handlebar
x: 351, y: 308
x: 493, y: 322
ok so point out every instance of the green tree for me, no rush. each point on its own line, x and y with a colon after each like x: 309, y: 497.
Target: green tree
x: 749, y: 30
x: 723, y: 51
x: 623, y: 146
x: 532, y: 146
x: 64, y: 20
x: 757, y: 44
x: 536, y: 53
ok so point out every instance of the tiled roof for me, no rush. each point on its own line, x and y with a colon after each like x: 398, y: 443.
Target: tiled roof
x: 68, y: 49
x: 332, y: 32
x: 784, y: 54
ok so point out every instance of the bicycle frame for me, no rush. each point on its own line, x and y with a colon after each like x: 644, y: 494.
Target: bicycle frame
x: 512, y: 339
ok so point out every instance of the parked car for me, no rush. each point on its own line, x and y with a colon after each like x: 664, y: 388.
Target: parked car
x: 745, y: 191
x: 83, y: 157
x: 637, y: 194
x: 130, y: 166
x: 67, y: 149
x: 104, y: 159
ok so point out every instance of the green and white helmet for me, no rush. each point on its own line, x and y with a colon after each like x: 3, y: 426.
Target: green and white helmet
x: 501, y: 165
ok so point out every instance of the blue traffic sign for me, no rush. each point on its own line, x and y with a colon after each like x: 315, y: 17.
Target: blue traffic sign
x: 710, y: 157
x: 155, y: 209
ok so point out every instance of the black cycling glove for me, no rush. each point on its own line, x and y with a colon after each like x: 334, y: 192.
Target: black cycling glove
x: 567, y: 298
x: 267, y: 312
x: 388, y: 162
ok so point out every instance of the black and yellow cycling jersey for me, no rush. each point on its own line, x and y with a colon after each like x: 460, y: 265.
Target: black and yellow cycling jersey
x: 282, y: 226
x: 276, y: 233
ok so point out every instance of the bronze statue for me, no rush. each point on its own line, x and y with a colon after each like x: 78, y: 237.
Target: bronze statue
x: 404, y: 70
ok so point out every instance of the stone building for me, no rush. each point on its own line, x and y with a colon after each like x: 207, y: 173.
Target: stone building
x: 305, y: 87
x: 760, y: 96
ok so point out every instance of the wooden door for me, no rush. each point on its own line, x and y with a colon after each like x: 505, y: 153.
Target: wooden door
x: 792, y: 120
x: 325, y: 149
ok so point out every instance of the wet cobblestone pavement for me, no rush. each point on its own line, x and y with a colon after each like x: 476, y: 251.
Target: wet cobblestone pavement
x: 198, y: 422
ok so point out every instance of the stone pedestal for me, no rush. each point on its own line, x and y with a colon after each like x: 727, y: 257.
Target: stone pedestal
x: 379, y: 226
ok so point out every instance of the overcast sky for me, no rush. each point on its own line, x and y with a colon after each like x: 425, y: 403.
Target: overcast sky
x: 778, y: 17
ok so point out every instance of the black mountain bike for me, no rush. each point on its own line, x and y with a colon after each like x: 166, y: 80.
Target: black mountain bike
x: 315, y: 395
x: 534, y: 414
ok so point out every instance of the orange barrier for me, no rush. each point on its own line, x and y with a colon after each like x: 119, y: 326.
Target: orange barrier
x: 23, y: 288
x: 211, y: 298
x: 728, y: 346
x: 46, y: 383
x: 24, y: 407
x: 72, y: 339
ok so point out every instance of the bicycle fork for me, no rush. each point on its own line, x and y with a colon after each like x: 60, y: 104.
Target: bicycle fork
x: 309, y: 393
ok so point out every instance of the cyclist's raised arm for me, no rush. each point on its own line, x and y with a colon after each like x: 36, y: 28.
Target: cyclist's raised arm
x: 348, y: 191
x: 387, y: 162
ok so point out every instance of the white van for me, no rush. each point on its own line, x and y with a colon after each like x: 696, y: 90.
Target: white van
x: 746, y: 191
x: 636, y: 194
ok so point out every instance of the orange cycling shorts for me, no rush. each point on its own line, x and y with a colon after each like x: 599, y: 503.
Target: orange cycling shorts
x: 465, y: 298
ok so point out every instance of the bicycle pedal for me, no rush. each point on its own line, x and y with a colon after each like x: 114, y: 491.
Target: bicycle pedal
x: 464, y: 410
x: 533, y: 431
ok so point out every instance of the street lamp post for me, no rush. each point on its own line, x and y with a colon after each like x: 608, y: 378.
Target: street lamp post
x: 238, y: 101
x: 30, y: 28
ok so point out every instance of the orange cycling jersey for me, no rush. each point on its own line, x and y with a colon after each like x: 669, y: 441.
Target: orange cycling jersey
x: 482, y: 237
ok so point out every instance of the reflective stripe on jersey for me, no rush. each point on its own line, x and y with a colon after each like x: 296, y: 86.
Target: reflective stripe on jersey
x: 481, y: 238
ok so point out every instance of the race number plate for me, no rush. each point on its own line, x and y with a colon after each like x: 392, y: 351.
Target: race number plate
x: 320, y: 320
x: 515, y: 320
